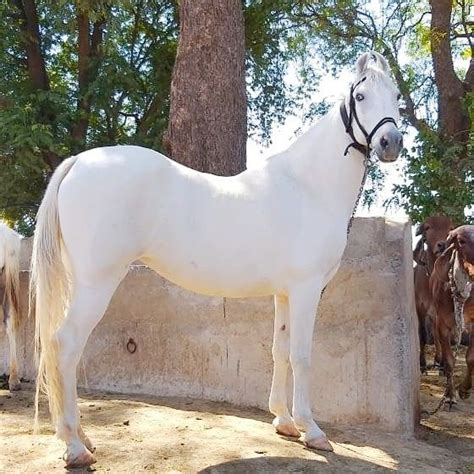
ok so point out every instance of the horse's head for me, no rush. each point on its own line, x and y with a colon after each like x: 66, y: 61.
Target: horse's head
x: 370, y: 113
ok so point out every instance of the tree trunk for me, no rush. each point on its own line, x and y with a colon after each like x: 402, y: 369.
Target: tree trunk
x: 208, y: 117
x: 88, y: 52
x: 452, y: 118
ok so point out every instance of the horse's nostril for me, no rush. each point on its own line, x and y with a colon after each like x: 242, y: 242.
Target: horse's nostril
x: 384, y: 142
x: 400, y: 141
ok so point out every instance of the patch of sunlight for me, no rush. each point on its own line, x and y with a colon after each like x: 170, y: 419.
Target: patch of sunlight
x: 366, y: 453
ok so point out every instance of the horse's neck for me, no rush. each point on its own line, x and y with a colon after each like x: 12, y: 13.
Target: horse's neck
x: 317, y: 159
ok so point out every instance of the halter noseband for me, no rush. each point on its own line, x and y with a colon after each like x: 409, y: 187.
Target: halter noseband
x: 347, y: 120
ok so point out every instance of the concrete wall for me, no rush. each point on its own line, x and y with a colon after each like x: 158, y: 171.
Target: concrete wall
x: 365, y: 356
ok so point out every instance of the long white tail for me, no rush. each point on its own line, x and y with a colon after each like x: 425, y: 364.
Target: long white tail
x: 50, y: 285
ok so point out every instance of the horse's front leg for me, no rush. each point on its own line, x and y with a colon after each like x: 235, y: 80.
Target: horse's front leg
x: 278, y: 403
x: 303, y: 300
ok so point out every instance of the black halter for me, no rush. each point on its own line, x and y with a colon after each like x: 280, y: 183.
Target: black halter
x: 347, y: 120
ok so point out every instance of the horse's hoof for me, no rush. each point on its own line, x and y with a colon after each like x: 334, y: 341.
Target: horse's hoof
x: 321, y: 443
x: 82, y: 460
x: 286, y: 428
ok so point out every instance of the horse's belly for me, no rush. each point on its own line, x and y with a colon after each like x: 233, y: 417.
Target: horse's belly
x: 214, y: 279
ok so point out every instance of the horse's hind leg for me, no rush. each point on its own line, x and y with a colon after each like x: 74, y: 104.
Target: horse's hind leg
x: 278, y: 403
x: 12, y: 333
x: 87, y: 308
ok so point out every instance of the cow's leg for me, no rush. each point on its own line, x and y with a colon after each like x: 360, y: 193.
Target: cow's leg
x: 438, y: 360
x: 278, y: 403
x: 448, y: 360
x: 12, y: 333
x: 466, y: 384
x: 87, y: 308
x: 422, y: 336
x: 304, y: 300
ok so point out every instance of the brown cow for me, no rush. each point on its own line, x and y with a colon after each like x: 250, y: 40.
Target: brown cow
x: 453, y: 278
x: 434, y: 232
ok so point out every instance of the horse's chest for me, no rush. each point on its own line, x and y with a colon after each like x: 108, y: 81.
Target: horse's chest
x: 320, y: 249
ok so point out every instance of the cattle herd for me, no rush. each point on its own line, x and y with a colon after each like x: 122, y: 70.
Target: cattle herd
x: 444, y: 296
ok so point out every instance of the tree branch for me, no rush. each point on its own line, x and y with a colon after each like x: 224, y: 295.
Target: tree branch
x: 409, y: 111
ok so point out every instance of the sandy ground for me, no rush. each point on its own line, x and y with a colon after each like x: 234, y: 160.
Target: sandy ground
x: 148, y: 434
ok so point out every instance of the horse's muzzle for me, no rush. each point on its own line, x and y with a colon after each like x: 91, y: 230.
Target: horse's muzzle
x: 389, y: 145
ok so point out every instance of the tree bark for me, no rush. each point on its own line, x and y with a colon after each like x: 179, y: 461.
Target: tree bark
x: 208, y: 117
x: 453, y: 121
x: 88, y: 53
x: 32, y: 41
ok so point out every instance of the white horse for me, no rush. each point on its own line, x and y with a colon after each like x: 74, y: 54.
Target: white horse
x: 10, y: 312
x: 276, y: 230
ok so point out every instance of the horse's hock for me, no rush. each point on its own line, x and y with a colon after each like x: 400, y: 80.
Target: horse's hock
x: 159, y: 339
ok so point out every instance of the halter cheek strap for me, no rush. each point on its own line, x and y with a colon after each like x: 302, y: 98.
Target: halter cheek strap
x: 347, y: 121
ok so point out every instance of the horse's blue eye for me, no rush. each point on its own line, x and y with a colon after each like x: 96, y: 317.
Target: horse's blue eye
x: 359, y: 97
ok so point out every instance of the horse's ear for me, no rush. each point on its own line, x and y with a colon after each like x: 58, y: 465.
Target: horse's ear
x: 361, y: 64
x: 380, y: 61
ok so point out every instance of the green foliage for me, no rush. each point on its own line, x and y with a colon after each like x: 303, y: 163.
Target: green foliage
x: 439, y: 172
x: 437, y: 181
x: 274, y: 43
x: 129, y: 94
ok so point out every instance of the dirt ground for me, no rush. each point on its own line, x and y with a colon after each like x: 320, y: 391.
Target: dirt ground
x: 149, y: 434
